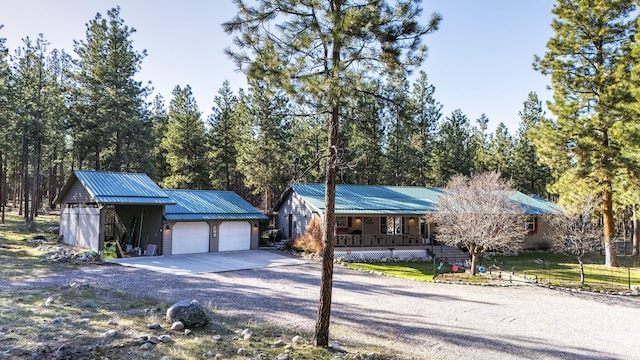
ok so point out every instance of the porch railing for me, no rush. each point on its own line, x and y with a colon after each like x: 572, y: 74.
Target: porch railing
x: 378, y: 240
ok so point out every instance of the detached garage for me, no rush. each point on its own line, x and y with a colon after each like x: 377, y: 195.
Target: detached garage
x: 209, y: 221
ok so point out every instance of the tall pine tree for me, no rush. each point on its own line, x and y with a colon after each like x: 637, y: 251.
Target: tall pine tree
x: 590, y: 42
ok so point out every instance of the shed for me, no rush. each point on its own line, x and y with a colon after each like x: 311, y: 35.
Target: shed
x: 201, y: 221
x: 97, y: 206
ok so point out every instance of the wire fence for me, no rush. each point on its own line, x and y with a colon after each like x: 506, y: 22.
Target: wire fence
x: 612, y: 279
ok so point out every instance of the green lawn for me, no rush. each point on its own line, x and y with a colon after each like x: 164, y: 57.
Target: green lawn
x: 553, y: 269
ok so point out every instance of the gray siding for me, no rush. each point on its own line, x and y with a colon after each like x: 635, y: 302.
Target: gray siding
x: 301, y: 216
x: 77, y: 194
x: 151, y: 224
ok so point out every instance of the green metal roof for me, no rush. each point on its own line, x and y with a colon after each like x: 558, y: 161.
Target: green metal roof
x: 396, y: 200
x: 121, y: 188
x: 372, y: 199
x: 210, y: 205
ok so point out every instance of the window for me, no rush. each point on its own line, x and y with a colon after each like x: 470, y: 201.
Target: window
x: 391, y: 225
x: 530, y: 224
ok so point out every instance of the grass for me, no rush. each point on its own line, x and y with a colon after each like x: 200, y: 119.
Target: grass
x: 415, y: 270
x: 549, y: 268
x: 562, y: 270
x: 75, y: 324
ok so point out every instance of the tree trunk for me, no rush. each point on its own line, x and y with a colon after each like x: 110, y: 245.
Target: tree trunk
x: 636, y: 230
x: 581, y: 271
x: 474, y: 262
x: 321, y: 336
x: 609, y: 226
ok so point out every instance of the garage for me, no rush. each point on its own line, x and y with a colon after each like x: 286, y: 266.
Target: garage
x: 190, y: 238
x: 234, y: 235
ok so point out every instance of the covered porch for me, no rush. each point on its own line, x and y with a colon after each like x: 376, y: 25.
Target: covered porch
x: 382, y: 231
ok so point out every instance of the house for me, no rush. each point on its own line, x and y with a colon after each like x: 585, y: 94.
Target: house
x: 385, y: 218
x: 129, y: 208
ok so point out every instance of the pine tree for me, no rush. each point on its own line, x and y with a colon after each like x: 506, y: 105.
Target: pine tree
x: 426, y: 116
x: 400, y: 158
x: 590, y: 42
x: 5, y: 76
x: 224, y: 138
x: 264, y: 155
x: 500, y: 152
x: 111, y: 127
x: 184, y: 143
x: 452, y: 153
x: 529, y: 175
x: 479, y: 145
x: 159, y: 125
x: 320, y: 51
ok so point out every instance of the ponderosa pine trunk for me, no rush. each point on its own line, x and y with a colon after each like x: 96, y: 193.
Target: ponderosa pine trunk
x: 609, y: 225
x: 321, y: 336
x: 636, y: 230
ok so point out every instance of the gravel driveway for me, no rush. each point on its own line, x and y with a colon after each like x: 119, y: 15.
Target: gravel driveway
x: 416, y: 319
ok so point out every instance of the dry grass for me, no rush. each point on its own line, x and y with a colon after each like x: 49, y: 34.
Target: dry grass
x: 75, y: 324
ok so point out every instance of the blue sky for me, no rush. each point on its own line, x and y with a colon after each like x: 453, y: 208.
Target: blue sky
x: 479, y: 60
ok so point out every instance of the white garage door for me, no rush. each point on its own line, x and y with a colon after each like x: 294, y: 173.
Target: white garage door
x: 235, y: 235
x: 190, y: 238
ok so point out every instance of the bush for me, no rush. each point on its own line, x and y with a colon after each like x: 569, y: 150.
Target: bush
x: 311, y: 241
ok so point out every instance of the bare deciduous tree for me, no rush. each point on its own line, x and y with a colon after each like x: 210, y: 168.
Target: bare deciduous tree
x: 577, y: 232
x: 478, y: 213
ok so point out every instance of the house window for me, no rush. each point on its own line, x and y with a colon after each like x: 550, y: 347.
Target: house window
x: 530, y: 224
x: 395, y: 225
x: 383, y: 225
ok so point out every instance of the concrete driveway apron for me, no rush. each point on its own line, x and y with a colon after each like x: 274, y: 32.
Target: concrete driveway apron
x: 209, y: 262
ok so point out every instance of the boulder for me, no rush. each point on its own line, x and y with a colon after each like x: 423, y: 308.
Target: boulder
x: 190, y: 313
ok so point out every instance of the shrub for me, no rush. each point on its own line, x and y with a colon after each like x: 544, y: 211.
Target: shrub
x: 311, y: 241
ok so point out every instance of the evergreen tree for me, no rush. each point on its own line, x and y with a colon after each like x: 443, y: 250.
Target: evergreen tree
x: 184, y: 143
x: 452, y: 153
x: 426, y: 116
x: 34, y: 92
x: 320, y: 51
x: 479, y: 145
x: 362, y: 135
x: 500, y: 152
x: 264, y: 155
x: 224, y: 139
x: 590, y: 42
x: 530, y: 176
x: 308, y: 138
x: 111, y: 127
x: 159, y: 125
x: 400, y: 158
x: 5, y: 74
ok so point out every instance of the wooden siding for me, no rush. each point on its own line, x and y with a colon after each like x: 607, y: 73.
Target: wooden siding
x: 301, y: 216
x: 151, y: 224
x: 77, y: 194
x: 538, y: 239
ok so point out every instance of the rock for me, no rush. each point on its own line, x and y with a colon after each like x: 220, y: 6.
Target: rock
x: 191, y: 313
x: 146, y: 346
x: 282, y: 356
x: 154, y: 326
x: 337, y: 358
x: 242, y: 352
x: 246, y: 331
x: 178, y: 326
x: 268, y: 333
x: 154, y: 340
x: 165, y: 338
x: 187, y: 332
x: 217, y: 337
x: 112, y: 322
x: 210, y: 353
x: 335, y: 347
x: 57, y: 320
x: 278, y: 343
x: 50, y: 300
x: 111, y: 333
x: 297, y: 340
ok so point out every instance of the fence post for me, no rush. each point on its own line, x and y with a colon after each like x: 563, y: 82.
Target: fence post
x: 629, y: 277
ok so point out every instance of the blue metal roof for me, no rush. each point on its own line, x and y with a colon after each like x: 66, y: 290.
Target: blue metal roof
x: 396, y: 200
x: 210, y: 205
x: 122, y: 188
